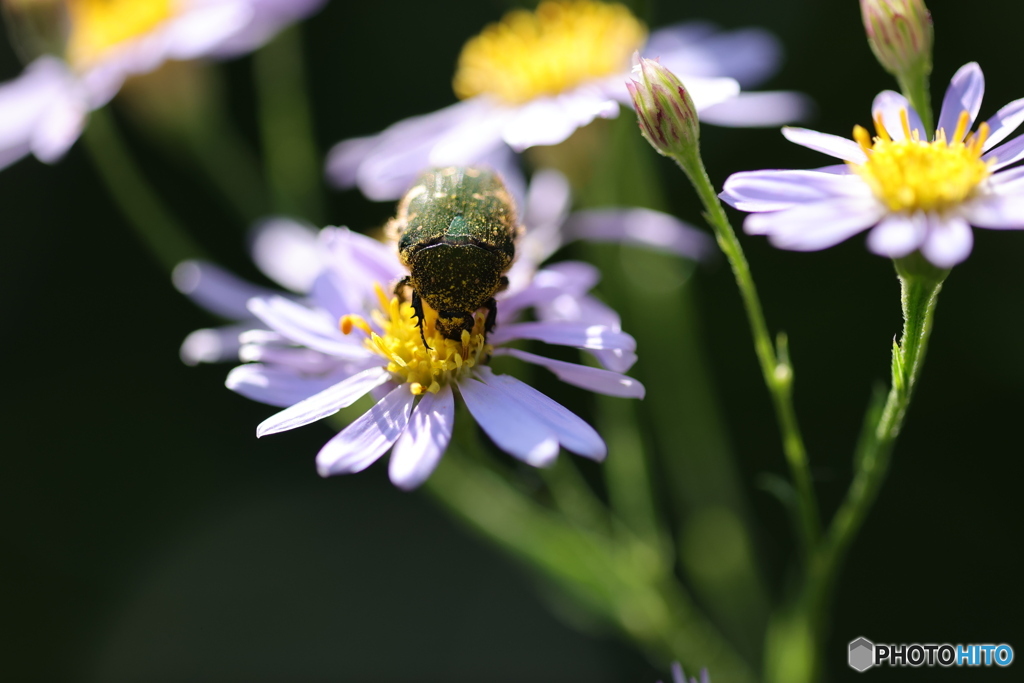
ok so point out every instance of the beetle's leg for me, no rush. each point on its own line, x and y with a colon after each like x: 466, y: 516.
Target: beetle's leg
x: 502, y: 284
x: 492, y: 313
x: 400, y: 287
x: 417, y: 308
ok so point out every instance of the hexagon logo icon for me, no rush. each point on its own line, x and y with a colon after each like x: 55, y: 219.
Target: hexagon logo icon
x: 862, y: 654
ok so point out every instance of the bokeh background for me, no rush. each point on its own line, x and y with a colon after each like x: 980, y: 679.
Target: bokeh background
x: 146, y: 534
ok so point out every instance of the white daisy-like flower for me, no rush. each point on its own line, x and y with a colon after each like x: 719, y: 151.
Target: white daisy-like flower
x: 353, y: 339
x: 44, y: 110
x: 292, y: 255
x: 913, y: 193
x: 535, y: 77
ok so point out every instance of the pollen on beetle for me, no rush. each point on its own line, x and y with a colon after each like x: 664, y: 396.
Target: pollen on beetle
x: 409, y: 361
x: 916, y: 175
x: 558, y: 46
x: 98, y: 25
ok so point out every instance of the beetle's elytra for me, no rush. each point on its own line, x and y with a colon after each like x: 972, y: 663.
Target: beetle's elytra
x: 456, y: 230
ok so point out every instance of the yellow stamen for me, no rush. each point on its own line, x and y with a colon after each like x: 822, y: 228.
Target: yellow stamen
x: 424, y: 369
x: 914, y: 175
x: 98, y: 25
x: 560, y: 45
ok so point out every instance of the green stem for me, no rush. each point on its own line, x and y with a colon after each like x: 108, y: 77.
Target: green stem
x: 166, y: 240
x: 916, y: 90
x: 775, y: 365
x: 286, y: 127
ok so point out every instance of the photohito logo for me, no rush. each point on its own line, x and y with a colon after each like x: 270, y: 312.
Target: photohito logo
x: 863, y: 654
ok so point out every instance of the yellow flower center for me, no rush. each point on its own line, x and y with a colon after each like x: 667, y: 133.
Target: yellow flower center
x: 915, y: 175
x: 98, y: 25
x: 424, y: 369
x: 561, y: 44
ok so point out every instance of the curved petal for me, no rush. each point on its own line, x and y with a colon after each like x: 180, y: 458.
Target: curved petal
x: 585, y: 377
x: 949, y: 241
x: 512, y: 427
x: 280, y: 387
x: 889, y: 105
x: 766, y: 109
x: 579, y: 334
x: 421, y: 445
x: 811, y: 227
x: 217, y: 290
x: 42, y: 111
x: 898, y: 235
x: 777, y: 190
x: 359, y: 445
x: 1005, y: 121
x: 833, y: 145
x: 286, y: 251
x: 750, y: 55
x: 314, y: 328
x: 550, y: 120
x: 212, y: 345
x: 642, y: 227
x: 1006, y: 154
x: 327, y: 402
x: 964, y: 93
x: 572, y: 431
x: 269, y: 17
x: 998, y: 213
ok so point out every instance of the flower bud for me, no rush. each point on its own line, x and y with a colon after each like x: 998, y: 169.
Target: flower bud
x: 664, y: 110
x: 900, y: 34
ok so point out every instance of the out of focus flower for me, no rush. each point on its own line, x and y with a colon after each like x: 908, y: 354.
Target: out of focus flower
x: 292, y: 255
x: 664, y: 110
x: 44, y: 110
x: 900, y: 34
x: 535, y: 77
x: 678, y: 676
x: 915, y: 194
x: 359, y: 340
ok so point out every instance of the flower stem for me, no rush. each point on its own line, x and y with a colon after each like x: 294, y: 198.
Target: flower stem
x: 774, y: 359
x: 166, y: 240
x: 915, y: 89
x: 286, y: 127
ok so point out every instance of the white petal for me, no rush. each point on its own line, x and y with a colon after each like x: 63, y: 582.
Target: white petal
x: 314, y: 328
x: 949, y: 241
x: 327, y: 402
x: 1005, y: 121
x: 42, y: 111
x: 276, y: 386
x: 898, y: 235
x: 592, y: 379
x: 964, y: 93
x: 345, y: 158
x: 217, y: 290
x: 749, y: 55
x: 550, y: 120
x: 1008, y: 153
x: 419, y: 449
x: 707, y: 92
x: 763, y: 109
x: 216, y: 345
x: 889, y: 104
x: 286, y: 251
x: 581, y: 335
x: 776, y: 190
x: 512, y: 427
x: 1000, y: 213
x: 572, y: 431
x: 833, y: 145
x: 811, y: 227
x: 270, y: 16
x: 642, y: 227
x: 358, y: 446
x: 200, y: 30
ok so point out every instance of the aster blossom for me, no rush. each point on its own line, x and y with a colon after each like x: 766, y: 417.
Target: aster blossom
x: 356, y: 339
x: 535, y: 77
x: 912, y: 192
x: 104, y: 42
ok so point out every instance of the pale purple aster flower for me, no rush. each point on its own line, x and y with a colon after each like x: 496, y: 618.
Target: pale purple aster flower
x: 44, y: 110
x: 357, y: 340
x: 537, y: 77
x: 914, y: 194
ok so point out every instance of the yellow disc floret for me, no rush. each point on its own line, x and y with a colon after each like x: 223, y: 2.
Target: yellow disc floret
x: 98, y: 25
x: 409, y: 361
x: 915, y: 175
x: 552, y: 49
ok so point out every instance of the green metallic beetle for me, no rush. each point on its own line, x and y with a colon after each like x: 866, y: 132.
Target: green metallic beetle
x: 456, y: 230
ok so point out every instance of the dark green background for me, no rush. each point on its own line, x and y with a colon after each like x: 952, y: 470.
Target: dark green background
x: 148, y: 536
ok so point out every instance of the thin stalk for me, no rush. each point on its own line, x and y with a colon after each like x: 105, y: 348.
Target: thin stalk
x: 286, y: 127
x: 166, y: 240
x: 775, y: 365
x: 916, y: 90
